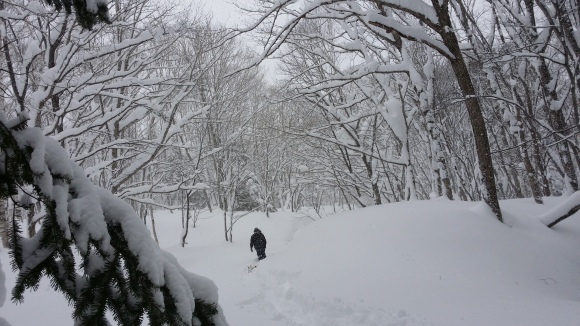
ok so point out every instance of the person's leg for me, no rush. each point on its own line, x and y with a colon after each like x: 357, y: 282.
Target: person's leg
x: 261, y: 253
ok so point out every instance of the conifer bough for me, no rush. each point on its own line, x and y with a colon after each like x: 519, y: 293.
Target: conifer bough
x: 88, y: 12
x: 121, y: 269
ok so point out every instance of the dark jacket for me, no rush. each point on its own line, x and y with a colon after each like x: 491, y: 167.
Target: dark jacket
x: 258, y: 240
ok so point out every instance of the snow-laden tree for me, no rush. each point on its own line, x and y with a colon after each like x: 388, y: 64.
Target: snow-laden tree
x: 368, y: 93
x: 92, y: 246
x: 119, y: 97
x: 229, y: 110
x: 395, y: 22
x: 76, y: 80
x: 522, y: 56
x: 271, y: 154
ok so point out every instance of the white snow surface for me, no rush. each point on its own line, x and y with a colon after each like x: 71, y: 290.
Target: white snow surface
x: 436, y: 262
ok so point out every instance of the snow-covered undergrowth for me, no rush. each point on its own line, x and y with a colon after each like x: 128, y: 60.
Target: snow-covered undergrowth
x: 432, y: 262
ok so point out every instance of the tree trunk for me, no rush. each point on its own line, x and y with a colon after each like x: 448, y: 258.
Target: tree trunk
x: 558, y: 124
x: 153, y: 224
x: 231, y: 225
x: 4, y: 224
x: 208, y: 200
x: 510, y: 171
x: 31, y: 222
x: 186, y: 226
x: 479, y: 133
x: 225, y: 224
x: 477, y: 125
x: 530, y: 173
x: 536, y: 156
x: 410, y: 192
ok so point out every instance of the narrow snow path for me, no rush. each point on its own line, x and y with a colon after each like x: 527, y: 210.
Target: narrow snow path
x: 425, y: 263
x: 241, y: 290
x: 269, y: 295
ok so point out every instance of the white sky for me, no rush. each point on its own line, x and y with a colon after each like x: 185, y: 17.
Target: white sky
x: 224, y: 11
x: 228, y: 14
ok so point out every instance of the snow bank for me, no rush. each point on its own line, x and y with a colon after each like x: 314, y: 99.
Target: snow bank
x: 436, y: 262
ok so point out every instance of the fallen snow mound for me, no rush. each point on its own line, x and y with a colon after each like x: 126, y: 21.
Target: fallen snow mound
x: 426, y: 263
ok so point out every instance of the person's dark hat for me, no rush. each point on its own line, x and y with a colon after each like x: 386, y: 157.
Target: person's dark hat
x: 256, y: 230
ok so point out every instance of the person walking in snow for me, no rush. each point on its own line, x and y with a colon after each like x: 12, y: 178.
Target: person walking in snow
x: 258, y: 241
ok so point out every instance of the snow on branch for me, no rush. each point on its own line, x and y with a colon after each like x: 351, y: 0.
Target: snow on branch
x: 562, y: 211
x: 417, y: 8
x: 123, y: 268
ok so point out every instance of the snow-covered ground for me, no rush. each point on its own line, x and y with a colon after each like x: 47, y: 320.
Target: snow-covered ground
x: 432, y: 262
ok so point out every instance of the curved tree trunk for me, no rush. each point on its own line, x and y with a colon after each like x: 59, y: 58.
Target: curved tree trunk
x: 473, y: 107
x: 477, y: 125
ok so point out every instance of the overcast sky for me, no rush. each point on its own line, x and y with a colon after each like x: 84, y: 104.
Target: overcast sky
x: 223, y: 11
x: 228, y: 14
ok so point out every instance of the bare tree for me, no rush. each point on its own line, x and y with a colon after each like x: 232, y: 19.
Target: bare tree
x: 392, y: 23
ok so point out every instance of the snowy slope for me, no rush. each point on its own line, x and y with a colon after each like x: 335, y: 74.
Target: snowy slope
x: 416, y: 263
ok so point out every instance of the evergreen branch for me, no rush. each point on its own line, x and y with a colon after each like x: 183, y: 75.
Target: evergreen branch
x: 114, y: 276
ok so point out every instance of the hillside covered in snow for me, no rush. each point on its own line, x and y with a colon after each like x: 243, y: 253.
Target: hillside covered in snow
x: 434, y: 262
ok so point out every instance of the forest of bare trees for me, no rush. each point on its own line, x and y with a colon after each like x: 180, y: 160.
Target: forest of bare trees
x: 373, y: 102
x: 471, y: 100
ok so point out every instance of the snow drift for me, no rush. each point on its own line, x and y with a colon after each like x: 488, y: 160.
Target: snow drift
x: 434, y: 262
